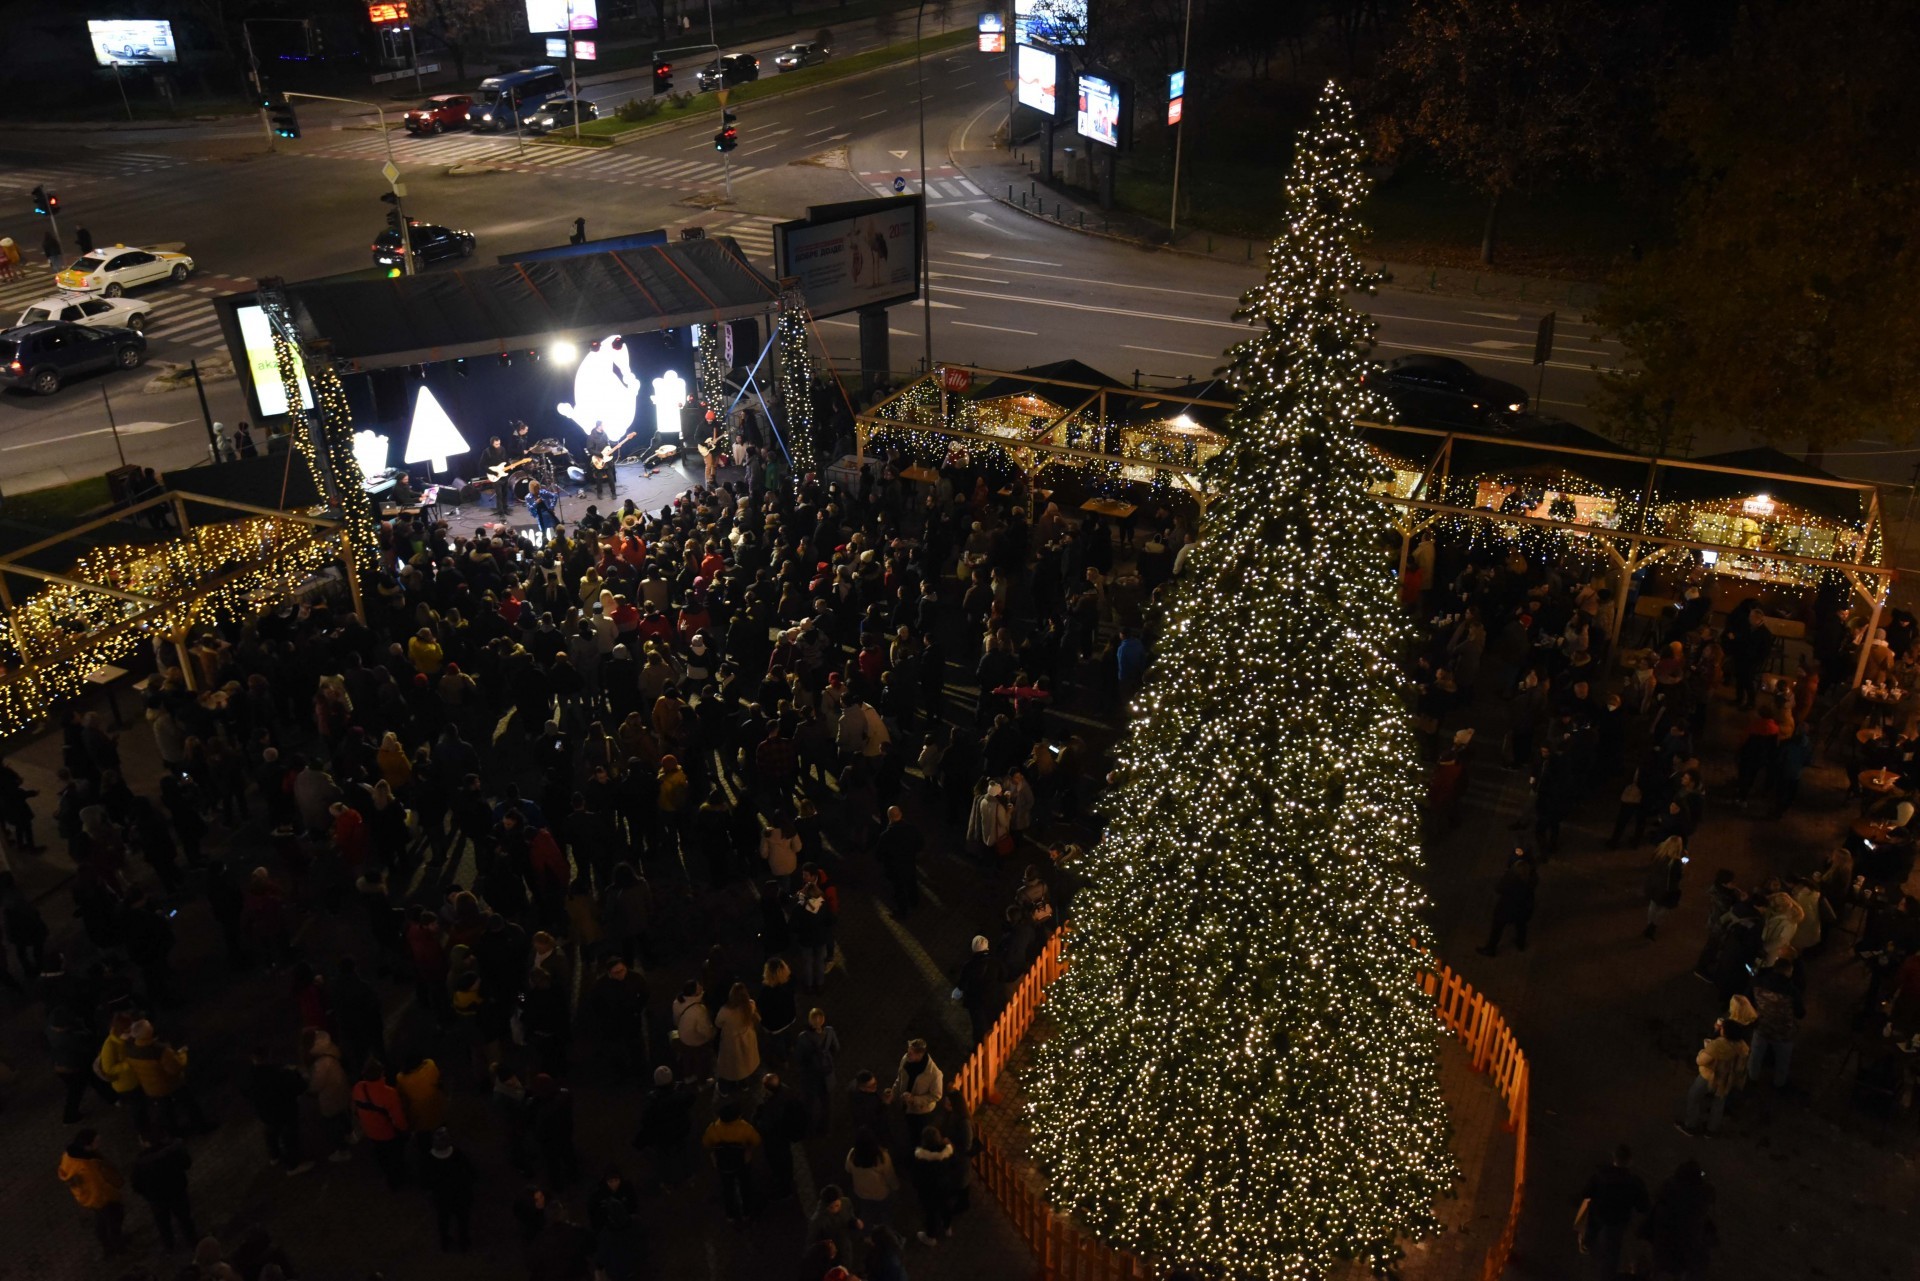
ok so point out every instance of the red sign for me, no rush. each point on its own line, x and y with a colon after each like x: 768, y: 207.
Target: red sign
x: 955, y: 379
x: 1173, y: 111
x: 379, y: 14
x: 993, y: 42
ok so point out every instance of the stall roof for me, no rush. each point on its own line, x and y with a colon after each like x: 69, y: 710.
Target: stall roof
x: 479, y: 311
x: 1824, y: 493
x: 1045, y: 381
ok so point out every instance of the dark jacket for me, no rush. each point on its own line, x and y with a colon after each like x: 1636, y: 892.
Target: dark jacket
x: 159, y: 1173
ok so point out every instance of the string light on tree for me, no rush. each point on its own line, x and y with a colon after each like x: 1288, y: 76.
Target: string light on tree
x: 1243, y: 1075
x: 796, y: 382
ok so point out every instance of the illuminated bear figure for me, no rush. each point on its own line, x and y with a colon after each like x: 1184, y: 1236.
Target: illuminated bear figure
x: 605, y: 389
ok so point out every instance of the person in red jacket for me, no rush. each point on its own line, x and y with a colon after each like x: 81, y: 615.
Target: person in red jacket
x: 350, y: 835
x: 383, y: 1119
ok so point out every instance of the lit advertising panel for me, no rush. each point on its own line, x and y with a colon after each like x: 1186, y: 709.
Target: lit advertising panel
x: 126, y: 41
x: 862, y: 254
x: 1097, y: 116
x: 551, y: 15
x: 1038, y: 70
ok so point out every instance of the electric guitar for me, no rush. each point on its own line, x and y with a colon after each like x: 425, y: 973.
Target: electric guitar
x: 605, y: 456
x: 498, y: 472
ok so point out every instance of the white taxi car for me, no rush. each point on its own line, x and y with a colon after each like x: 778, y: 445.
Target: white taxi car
x: 115, y: 269
x: 85, y: 309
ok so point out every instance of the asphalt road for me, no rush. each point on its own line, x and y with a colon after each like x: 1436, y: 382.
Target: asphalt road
x: 1008, y: 290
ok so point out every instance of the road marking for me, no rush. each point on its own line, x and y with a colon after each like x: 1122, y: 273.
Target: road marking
x: 1114, y: 284
x: 1168, y: 351
x: 130, y: 429
x: 757, y: 150
x: 1494, y: 315
x: 875, y: 94
x: 998, y: 329
x: 1487, y: 355
x: 950, y: 306
x: 873, y: 115
x: 985, y: 221
x: 822, y: 109
x: 1501, y: 344
x: 1105, y: 311
x: 898, y: 155
x: 954, y: 275
x: 823, y: 129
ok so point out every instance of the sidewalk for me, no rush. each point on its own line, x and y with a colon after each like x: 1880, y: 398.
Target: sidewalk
x: 1012, y: 178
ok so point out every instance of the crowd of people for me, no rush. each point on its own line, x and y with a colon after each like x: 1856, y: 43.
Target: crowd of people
x: 586, y: 809
x: 1687, y: 720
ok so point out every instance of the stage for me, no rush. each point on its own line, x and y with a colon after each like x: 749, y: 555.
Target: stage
x: 631, y: 480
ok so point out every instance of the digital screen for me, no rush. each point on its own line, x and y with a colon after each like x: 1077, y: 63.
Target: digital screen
x: 556, y: 46
x: 380, y: 14
x: 1174, y: 110
x: 863, y: 259
x: 1097, y: 117
x: 1038, y: 69
x: 1054, y: 21
x: 992, y: 22
x: 1177, y: 85
x: 132, y: 41
x: 269, y: 390
x: 584, y: 50
x: 993, y: 42
x: 551, y: 15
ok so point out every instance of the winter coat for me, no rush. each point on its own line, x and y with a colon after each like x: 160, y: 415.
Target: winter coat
x: 872, y: 1182
x: 425, y: 1101
x: 159, y: 1173
x: 382, y: 1113
x: 693, y: 1022
x: 326, y: 1079
x: 922, y: 1095
x: 92, y: 1181
x: 1661, y: 884
x: 739, y: 1055
x: 1722, y: 1064
x: 1784, y: 918
x: 782, y: 853
x: 158, y: 1067
x: 935, y: 1171
x: 115, y: 1066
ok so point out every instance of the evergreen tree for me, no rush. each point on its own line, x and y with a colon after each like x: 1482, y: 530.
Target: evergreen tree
x: 1243, y: 1074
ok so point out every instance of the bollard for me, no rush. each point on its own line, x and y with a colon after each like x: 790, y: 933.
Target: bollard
x: 1023, y: 200
x: 1009, y: 193
x: 1083, y: 220
x: 1249, y: 251
x: 1057, y: 217
x: 1209, y: 242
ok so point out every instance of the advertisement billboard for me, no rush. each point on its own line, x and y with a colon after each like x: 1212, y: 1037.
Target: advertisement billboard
x: 1097, y: 114
x: 132, y: 41
x: 263, y: 367
x: 1061, y: 22
x: 551, y: 15
x: 1038, y: 70
x: 862, y: 254
x: 381, y: 15
x: 1176, y: 97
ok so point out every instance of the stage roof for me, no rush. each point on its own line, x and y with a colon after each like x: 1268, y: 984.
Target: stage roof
x: 484, y: 311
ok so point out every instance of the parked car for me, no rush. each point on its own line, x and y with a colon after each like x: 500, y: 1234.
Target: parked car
x: 729, y: 69
x: 42, y: 357
x: 795, y: 56
x: 85, y: 309
x: 1427, y: 389
x: 560, y: 114
x: 114, y: 270
x: 442, y: 111
x: 430, y: 244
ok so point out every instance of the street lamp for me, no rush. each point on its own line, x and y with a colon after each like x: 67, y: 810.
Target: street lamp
x: 920, y: 85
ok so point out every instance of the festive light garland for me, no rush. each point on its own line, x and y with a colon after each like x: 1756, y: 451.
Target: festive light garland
x: 59, y: 627
x: 796, y: 382
x: 1243, y: 1076
x: 333, y: 429
x: 710, y: 368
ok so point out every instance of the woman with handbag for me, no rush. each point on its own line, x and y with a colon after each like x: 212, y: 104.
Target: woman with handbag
x: 1662, y: 881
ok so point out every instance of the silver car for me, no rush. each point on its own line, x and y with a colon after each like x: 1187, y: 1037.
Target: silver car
x: 796, y: 56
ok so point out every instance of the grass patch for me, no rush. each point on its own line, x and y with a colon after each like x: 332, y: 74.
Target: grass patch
x: 771, y: 84
x: 59, y: 506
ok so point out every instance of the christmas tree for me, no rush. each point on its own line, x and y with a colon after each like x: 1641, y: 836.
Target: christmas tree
x: 1242, y: 1077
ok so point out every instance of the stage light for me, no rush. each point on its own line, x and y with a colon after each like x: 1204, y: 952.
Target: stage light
x: 564, y: 352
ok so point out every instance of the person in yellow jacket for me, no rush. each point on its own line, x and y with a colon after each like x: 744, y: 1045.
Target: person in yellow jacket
x: 161, y: 1072
x: 111, y: 1064
x: 95, y: 1185
x: 419, y: 1087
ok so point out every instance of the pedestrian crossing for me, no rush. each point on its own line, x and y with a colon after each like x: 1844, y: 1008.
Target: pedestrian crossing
x: 602, y: 164
x: 752, y: 232
x: 81, y: 166
x: 177, y: 315
x: 945, y: 183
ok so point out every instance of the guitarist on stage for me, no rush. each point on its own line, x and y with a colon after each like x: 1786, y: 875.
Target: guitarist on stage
x: 496, y: 455
x: 600, y: 462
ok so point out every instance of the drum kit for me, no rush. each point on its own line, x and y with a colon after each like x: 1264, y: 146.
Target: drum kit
x: 546, y: 460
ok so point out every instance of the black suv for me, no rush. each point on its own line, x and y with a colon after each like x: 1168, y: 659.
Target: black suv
x: 1442, y: 391
x: 43, y: 356
x: 430, y: 244
x: 731, y: 69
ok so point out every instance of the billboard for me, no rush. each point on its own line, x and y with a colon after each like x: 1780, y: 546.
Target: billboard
x: 1061, y: 22
x: 1176, y: 97
x: 1039, y: 71
x: 132, y: 41
x: 552, y: 15
x: 385, y: 14
x: 263, y: 367
x: 1097, y: 116
x: 862, y: 254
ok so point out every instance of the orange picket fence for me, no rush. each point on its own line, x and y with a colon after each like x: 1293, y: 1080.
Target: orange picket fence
x: 1066, y: 1252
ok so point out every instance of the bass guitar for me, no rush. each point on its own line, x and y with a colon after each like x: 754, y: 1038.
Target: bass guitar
x: 499, y: 472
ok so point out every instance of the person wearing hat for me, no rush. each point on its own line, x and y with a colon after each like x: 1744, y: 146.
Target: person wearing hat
x: 450, y: 1176
x: 980, y: 988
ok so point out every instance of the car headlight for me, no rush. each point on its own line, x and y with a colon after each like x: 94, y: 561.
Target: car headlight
x: 1517, y: 406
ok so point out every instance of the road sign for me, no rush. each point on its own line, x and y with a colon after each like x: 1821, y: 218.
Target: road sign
x: 388, y: 172
x: 720, y: 96
x: 899, y: 185
x: 1543, y: 340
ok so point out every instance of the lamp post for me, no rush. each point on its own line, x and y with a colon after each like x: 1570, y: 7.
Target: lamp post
x: 1180, y: 130
x: 920, y: 85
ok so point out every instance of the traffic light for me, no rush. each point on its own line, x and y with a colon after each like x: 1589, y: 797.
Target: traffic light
x: 729, y: 136
x: 662, y: 76
x: 393, y: 214
x: 45, y: 202
x: 280, y: 112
